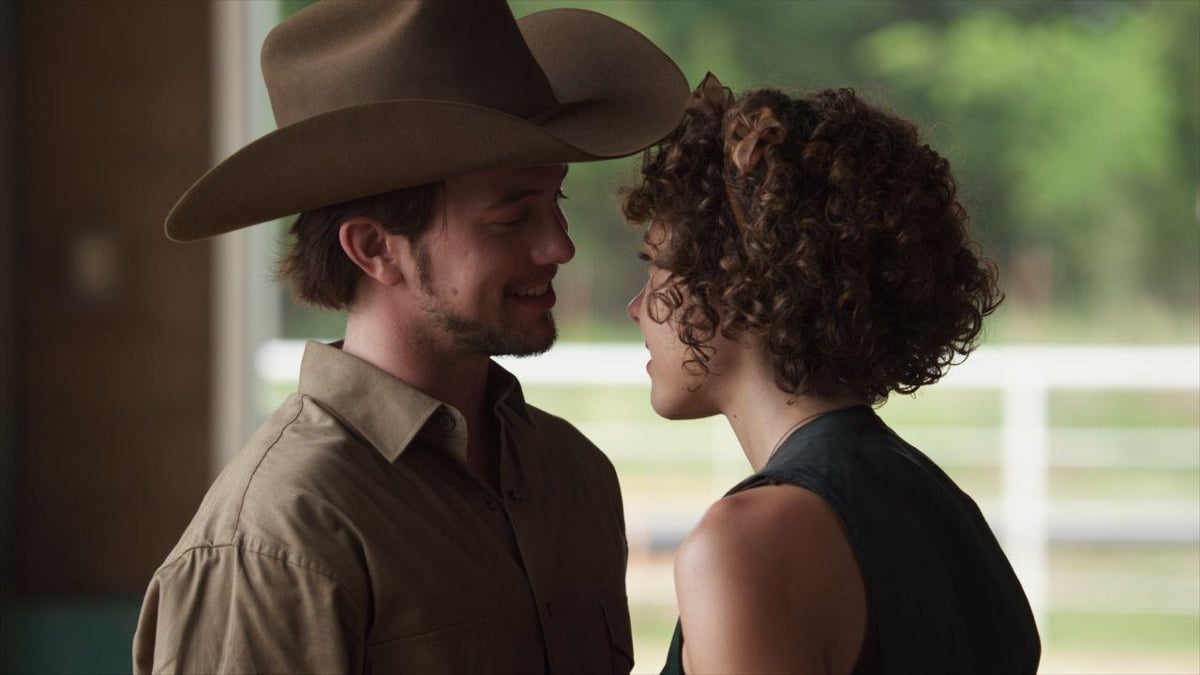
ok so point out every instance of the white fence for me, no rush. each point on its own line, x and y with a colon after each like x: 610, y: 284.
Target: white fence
x: 1025, y: 376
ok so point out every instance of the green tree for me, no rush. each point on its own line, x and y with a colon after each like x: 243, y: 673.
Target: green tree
x: 1072, y: 136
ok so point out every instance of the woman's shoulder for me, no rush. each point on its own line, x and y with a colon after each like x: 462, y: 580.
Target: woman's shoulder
x: 771, y: 527
x: 772, y: 566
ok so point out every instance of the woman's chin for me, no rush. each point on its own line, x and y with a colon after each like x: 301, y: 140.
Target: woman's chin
x: 678, y: 407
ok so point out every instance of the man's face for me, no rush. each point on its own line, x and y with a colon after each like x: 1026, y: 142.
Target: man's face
x: 484, y: 267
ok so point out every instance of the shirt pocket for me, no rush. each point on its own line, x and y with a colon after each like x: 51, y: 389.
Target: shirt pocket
x: 597, y: 635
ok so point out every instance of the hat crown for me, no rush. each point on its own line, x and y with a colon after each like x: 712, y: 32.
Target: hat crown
x: 335, y: 55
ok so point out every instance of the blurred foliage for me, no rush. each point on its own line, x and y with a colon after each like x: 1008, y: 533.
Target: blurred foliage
x: 1073, y: 127
x: 1075, y: 134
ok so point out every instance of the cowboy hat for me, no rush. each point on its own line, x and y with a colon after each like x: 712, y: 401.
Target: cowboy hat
x: 375, y: 96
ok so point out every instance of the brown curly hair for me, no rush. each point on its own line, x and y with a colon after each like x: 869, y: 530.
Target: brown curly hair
x: 315, y: 266
x: 822, y: 224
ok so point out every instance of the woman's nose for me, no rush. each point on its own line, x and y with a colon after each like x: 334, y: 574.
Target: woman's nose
x: 634, y: 305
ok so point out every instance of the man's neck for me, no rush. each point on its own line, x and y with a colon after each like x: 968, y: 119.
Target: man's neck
x: 454, y: 377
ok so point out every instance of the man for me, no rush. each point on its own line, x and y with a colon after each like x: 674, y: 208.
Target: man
x: 406, y: 510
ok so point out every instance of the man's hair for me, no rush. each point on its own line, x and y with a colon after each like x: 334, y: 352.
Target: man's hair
x: 319, y: 271
x: 846, y: 249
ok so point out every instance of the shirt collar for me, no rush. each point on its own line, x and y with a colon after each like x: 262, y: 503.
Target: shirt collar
x: 389, y: 413
x: 504, y: 391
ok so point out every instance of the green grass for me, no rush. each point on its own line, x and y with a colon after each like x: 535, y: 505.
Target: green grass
x: 1124, y: 483
x: 653, y: 626
x: 1181, y: 561
x: 1124, y: 633
x: 1076, y: 408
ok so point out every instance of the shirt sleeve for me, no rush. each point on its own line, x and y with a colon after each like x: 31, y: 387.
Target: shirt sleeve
x: 221, y: 609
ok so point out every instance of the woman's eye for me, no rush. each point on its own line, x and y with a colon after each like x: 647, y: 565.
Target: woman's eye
x: 559, y: 194
x: 643, y: 256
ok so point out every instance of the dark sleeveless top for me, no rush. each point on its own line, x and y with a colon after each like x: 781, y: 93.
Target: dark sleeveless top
x: 941, y: 596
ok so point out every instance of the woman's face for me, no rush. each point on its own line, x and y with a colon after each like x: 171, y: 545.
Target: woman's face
x: 675, y: 392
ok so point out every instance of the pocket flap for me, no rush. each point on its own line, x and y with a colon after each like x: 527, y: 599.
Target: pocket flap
x: 616, y: 614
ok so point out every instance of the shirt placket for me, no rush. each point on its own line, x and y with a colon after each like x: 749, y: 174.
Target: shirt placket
x: 529, y: 530
x: 495, y: 505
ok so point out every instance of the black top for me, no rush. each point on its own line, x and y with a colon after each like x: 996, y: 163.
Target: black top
x: 941, y: 596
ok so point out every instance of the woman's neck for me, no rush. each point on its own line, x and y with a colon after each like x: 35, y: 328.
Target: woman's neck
x: 763, y: 415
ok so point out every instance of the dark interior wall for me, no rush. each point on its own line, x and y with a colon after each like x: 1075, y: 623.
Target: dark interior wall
x: 112, y: 442
x: 8, y: 246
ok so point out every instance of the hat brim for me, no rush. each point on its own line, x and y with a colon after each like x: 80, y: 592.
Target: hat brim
x: 620, y: 92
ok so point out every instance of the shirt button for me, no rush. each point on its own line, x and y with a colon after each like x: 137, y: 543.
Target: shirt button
x: 491, y: 505
x: 446, y: 422
x: 514, y: 496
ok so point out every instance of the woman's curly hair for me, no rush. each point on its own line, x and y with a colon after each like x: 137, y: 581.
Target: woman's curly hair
x: 825, y: 226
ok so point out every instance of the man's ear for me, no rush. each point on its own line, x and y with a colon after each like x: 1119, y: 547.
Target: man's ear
x: 369, y: 246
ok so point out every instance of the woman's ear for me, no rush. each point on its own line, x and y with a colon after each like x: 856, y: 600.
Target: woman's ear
x: 369, y: 246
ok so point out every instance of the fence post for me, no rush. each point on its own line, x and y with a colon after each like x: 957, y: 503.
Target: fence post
x: 1024, y: 479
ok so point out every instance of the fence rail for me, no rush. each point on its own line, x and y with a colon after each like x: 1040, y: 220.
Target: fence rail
x: 1024, y: 375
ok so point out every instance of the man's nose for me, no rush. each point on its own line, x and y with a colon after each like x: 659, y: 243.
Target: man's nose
x: 554, y: 245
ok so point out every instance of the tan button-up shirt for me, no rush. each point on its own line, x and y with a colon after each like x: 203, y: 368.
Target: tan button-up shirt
x: 349, y: 536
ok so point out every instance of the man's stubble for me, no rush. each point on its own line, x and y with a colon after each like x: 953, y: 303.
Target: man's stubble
x: 475, y: 336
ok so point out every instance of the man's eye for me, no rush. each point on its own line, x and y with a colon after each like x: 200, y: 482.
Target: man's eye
x: 642, y: 255
x: 559, y: 194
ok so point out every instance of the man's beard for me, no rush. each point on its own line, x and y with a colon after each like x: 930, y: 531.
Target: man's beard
x: 500, y: 340
x: 475, y: 336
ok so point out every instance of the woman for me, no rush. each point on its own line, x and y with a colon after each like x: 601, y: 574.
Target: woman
x: 808, y: 258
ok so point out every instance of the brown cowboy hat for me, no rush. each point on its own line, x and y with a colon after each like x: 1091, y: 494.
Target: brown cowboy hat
x: 375, y: 96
